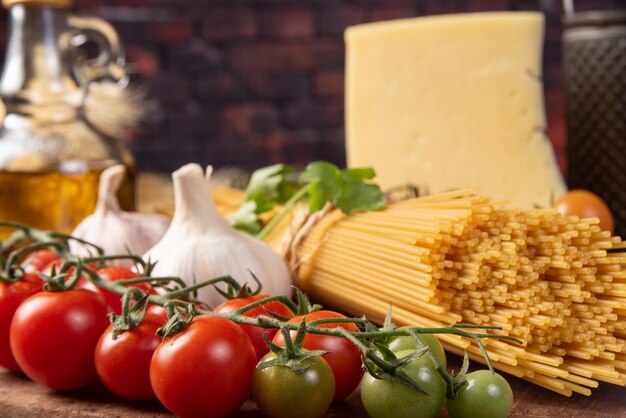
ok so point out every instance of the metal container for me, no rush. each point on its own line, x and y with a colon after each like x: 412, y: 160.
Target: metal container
x: 594, y: 61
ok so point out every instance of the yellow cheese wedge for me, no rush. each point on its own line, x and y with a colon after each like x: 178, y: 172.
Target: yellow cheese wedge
x: 448, y: 102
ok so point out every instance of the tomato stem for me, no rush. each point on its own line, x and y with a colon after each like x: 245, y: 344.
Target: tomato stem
x: 103, y: 258
x: 189, y: 289
x: 181, y: 314
x: 358, y: 321
x: 289, y: 344
x: 390, y: 370
x: 67, y: 238
x: 178, y: 321
x: 312, y: 327
x: 281, y: 298
x: 292, y: 355
x: 152, y: 280
x: 241, y: 291
x: 131, y: 316
x: 12, y: 271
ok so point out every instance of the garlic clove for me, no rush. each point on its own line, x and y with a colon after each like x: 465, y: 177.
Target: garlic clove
x: 110, y: 182
x: 200, y: 244
x: 114, y: 230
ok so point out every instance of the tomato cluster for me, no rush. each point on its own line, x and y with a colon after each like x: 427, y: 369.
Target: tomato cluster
x: 480, y: 394
x: 63, y: 340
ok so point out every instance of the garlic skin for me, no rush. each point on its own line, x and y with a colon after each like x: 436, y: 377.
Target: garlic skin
x: 114, y: 230
x: 200, y: 244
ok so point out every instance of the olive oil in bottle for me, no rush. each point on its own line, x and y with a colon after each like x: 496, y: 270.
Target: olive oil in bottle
x: 51, y: 153
x: 53, y: 200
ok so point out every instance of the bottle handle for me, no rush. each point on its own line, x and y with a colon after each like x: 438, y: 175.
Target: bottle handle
x: 568, y: 7
x: 111, y: 58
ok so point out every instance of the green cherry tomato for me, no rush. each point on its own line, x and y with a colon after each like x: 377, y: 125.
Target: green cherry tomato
x: 390, y: 399
x: 486, y: 394
x: 281, y: 392
x: 408, y: 342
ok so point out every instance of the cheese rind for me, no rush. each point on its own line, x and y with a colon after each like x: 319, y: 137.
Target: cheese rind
x: 450, y: 102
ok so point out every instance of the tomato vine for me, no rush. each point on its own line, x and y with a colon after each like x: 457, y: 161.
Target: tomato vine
x: 181, y: 306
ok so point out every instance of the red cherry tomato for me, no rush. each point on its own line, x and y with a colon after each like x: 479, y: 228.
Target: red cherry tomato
x: 256, y: 333
x: 123, y: 364
x: 204, y: 371
x: 157, y: 312
x: 53, y: 336
x: 38, y: 260
x: 585, y: 204
x: 344, y: 357
x: 117, y: 273
x: 11, y: 297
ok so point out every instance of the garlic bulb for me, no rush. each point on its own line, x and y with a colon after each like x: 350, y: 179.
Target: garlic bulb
x: 201, y: 244
x: 114, y: 230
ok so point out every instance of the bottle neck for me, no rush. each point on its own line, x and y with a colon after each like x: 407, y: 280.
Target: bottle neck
x: 36, y: 69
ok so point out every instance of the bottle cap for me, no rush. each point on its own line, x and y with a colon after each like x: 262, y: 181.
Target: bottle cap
x: 59, y: 4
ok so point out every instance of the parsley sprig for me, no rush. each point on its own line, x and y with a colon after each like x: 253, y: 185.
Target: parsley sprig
x: 321, y: 182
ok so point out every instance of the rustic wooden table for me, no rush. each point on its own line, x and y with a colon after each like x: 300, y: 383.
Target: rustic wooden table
x: 21, y: 398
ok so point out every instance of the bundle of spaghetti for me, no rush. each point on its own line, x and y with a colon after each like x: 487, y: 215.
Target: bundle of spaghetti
x: 557, y: 283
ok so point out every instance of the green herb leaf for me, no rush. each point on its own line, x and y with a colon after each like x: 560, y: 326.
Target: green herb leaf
x: 321, y: 182
x: 271, y: 184
x: 361, y: 197
x: 324, y: 184
x: 268, y: 186
x: 344, y: 188
x: 360, y: 174
x: 246, y: 219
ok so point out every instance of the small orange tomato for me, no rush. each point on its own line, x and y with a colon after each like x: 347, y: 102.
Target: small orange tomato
x: 585, y: 204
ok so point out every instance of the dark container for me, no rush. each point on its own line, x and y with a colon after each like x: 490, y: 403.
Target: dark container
x: 594, y: 61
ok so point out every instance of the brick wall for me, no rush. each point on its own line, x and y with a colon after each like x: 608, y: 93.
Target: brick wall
x: 253, y: 82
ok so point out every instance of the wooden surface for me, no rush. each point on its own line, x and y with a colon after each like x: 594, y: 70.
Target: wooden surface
x: 21, y: 398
